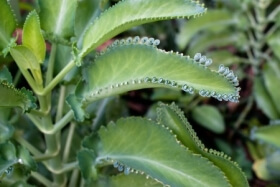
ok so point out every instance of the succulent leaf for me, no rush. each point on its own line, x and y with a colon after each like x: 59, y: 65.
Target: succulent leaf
x: 133, y: 180
x: 170, y: 163
x: 269, y: 134
x: 173, y: 118
x: 209, y: 117
x: 58, y: 17
x: 32, y: 37
x: 115, y: 20
x: 7, y: 24
x: 12, y: 97
x: 26, y: 60
x: 136, y: 64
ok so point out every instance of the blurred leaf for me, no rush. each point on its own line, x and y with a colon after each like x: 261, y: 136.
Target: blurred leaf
x: 173, y: 118
x: 212, y: 21
x: 222, y: 56
x: 136, y: 13
x: 205, y: 41
x: 7, y: 158
x: 32, y: 37
x: 271, y: 73
x: 165, y: 94
x: 268, y: 168
x: 6, y: 130
x: 12, y: 97
x: 170, y: 163
x: 86, y: 159
x: 133, y: 180
x: 269, y: 134
x: 209, y: 117
x: 5, y: 75
x: 26, y: 60
x: 25, y: 158
x: 87, y: 12
x: 7, y: 24
x: 274, y: 43
x: 58, y: 17
x: 264, y: 100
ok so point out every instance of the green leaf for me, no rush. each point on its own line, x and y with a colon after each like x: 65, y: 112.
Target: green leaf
x: 136, y: 66
x: 86, y: 159
x: 271, y: 73
x: 26, y: 60
x: 25, y: 158
x: 87, y: 12
x: 7, y: 158
x: 264, y: 100
x: 269, y: 134
x: 145, y: 146
x: 12, y: 97
x: 216, y: 20
x: 6, y: 130
x: 7, y: 24
x: 5, y: 75
x: 224, y: 56
x: 207, y: 40
x: 173, y: 118
x: 58, y: 17
x: 274, y: 43
x: 129, y: 13
x: 133, y: 180
x: 268, y: 167
x: 32, y: 37
x: 209, y: 117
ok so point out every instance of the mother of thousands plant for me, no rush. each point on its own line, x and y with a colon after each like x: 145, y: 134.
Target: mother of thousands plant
x: 132, y: 151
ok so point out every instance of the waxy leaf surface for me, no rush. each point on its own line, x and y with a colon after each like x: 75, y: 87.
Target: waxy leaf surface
x: 7, y: 24
x: 58, y: 17
x: 146, y: 146
x: 32, y: 37
x: 173, y: 118
x: 129, y: 13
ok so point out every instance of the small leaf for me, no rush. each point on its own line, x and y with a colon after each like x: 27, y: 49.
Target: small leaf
x: 7, y: 158
x: 5, y: 75
x: 115, y: 20
x: 271, y: 73
x: 268, y: 168
x: 25, y: 158
x: 32, y: 37
x: 12, y: 97
x: 223, y: 56
x: 6, y: 130
x: 133, y: 180
x: 214, y: 19
x: 207, y: 40
x: 274, y: 43
x: 7, y: 24
x: 58, y: 16
x: 269, y: 134
x: 264, y: 100
x: 138, y: 143
x: 86, y: 159
x: 209, y: 117
x: 26, y: 60
x: 173, y: 118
